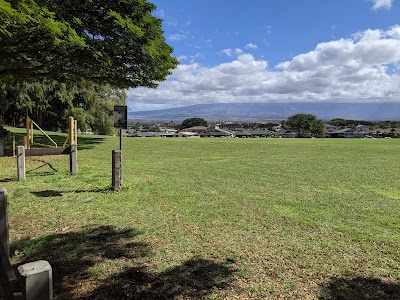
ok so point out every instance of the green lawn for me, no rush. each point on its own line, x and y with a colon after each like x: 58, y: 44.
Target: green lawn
x: 214, y: 218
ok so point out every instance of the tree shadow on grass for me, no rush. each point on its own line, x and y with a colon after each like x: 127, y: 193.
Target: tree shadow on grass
x: 40, y: 141
x: 84, y: 142
x: 196, y: 278
x: 360, y: 288
x: 60, y: 193
x: 74, y: 255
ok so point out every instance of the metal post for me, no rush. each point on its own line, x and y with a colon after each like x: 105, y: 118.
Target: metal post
x: 117, y: 170
x: 21, y: 162
x: 4, y: 227
x: 120, y: 139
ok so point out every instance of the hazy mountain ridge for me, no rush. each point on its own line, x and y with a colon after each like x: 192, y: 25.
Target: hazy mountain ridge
x: 273, y: 111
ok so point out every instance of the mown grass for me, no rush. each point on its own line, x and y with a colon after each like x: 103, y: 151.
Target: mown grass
x: 214, y: 218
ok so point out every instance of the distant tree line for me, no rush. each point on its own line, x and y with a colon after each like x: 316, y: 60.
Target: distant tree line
x: 352, y: 123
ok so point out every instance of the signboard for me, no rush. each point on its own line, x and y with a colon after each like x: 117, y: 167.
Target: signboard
x: 121, y: 116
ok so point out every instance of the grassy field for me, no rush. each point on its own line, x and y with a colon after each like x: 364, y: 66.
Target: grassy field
x: 214, y: 219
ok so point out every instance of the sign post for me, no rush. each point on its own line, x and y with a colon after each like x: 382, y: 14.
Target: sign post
x: 120, y: 122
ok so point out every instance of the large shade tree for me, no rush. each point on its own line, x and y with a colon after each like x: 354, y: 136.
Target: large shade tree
x: 115, y: 42
x: 73, y: 57
x: 304, y: 124
x: 190, y: 122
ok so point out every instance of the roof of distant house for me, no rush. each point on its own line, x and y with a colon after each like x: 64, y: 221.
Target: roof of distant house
x: 197, y: 128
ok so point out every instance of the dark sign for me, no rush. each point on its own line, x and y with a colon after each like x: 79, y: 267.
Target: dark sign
x: 121, y: 116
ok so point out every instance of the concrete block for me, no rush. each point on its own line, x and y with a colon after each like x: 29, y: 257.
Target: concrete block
x: 37, y: 280
x: 21, y: 163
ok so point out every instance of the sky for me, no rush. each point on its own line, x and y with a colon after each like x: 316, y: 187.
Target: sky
x: 277, y: 51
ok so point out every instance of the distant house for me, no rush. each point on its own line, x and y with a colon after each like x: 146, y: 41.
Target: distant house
x: 286, y: 134
x: 196, y: 129
x: 227, y: 131
x: 260, y: 133
x: 168, y: 134
x: 330, y: 128
x: 282, y: 132
x: 360, y: 128
x: 147, y: 134
x: 215, y: 134
x: 242, y: 134
x: 188, y: 134
x: 357, y: 132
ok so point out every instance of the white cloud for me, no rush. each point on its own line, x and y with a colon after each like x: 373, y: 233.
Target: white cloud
x: 361, y: 68
x: 238, y: 51
x: 177, y: 37
x: 251, y: 46
x: 196, y: 56
x: 182, y: 58
x: 379, y: 4
x: 227, y: 52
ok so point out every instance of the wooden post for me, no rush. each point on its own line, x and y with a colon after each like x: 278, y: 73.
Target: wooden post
x: 117, y: 170
x: 29, y: 133
x: 21, y: 162
x: 73, y: 140
x: 4, y: 227
x: 37, y: 280
x: 71, y: 123
x: 73, y: 159
x: 76, y: 132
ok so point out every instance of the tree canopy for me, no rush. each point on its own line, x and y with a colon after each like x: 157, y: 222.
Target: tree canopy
x: 190, y: 122
x: 304, y: 124
x: 108, y: 42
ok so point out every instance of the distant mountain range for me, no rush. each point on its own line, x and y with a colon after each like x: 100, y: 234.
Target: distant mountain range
x: 272, y: 111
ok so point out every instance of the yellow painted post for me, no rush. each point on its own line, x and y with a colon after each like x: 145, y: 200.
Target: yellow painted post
x: 28, y: 135
x: 31, y: 131
x: 73, y: 137
x: 76, y: 132
x: 71, y: 130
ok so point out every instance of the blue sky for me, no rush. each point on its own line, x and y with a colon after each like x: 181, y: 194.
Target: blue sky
x: 279, y: 51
